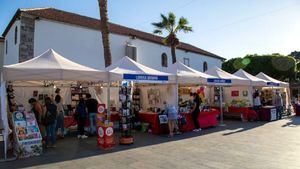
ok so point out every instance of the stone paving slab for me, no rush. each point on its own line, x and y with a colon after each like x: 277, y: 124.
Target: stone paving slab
x: 238, y: 145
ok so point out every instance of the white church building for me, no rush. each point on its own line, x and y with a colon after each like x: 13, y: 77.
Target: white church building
x: 78, y: 38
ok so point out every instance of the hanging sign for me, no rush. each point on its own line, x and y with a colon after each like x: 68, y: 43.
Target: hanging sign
x: 218, y: 80
x: 145, y: 77
x: 272, y: 84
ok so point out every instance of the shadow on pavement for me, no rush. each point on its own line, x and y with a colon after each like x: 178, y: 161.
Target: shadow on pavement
x: 294, y: 122
x: 71, y: 148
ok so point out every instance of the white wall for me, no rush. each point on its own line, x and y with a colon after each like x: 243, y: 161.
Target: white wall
x: 84, y: 46
x: 1, y: 53
x: 12, y: 55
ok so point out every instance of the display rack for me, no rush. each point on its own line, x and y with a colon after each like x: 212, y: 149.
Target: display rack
x: 77, y: 93
x: 136, y: 103
x: 126, y: 123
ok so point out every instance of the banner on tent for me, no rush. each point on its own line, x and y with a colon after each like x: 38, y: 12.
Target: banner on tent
x: 272, y: 84
x: 145, y: 77
x: 217, y: 80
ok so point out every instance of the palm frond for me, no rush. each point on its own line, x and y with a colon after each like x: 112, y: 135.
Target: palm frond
x: 157, y: 31
x: 183, y: 26
x: 172, y: 19
x: 183, y: 21
x: 158, y: 25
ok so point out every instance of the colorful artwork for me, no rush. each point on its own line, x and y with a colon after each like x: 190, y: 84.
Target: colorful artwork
x: 201, y: 93
x: 29, y: 139
x: 235, y: 93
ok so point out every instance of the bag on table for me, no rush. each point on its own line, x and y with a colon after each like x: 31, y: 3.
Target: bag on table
x: 163, y: 119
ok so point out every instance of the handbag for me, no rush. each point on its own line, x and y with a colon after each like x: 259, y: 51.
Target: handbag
x: 182, y: 121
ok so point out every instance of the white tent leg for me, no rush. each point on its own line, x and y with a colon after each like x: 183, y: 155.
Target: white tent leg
x: 221, y: 108
x: 108, y: 101
x: 4, y: 117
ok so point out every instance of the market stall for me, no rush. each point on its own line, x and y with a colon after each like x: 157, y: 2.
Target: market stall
x: 139, y: 94
x: 189, y: 80
x: 223, y: 80
x: 49, y: 66
x: 275, y: 87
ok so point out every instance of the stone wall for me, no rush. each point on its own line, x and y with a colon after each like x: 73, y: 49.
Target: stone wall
x: 26, y: 38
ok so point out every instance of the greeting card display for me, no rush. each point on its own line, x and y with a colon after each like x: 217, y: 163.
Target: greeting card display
x: 27, y: 133
x: 126, y: 123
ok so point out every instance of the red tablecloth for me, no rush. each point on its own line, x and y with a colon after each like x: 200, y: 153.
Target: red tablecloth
x: 69, y: 121
x: 265, y: 113
x: 114, y: 116
x: 246, y: 112
x: 208, y: 118
x: 152, y: 118
x: 189, y: 126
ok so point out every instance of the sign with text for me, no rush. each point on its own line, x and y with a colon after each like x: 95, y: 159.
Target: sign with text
x: 144, y: 77
x: 272, y: 84
x: 218, y: 80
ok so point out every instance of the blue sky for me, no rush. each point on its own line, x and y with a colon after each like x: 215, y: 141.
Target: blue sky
x: 229, y: 28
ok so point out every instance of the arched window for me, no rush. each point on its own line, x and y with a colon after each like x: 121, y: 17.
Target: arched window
x: 16, y: 35
x: 204, y: 66
x: 164, y: 60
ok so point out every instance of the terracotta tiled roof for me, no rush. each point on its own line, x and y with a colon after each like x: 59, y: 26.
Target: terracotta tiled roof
x: 92, y: 23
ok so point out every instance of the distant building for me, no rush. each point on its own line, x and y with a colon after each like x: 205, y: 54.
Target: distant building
x: 78, y: 38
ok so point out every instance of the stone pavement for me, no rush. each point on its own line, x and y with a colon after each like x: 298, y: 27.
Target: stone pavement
x: 238, y: 145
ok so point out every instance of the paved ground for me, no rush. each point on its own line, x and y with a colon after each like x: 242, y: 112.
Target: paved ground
x: 238, y: 145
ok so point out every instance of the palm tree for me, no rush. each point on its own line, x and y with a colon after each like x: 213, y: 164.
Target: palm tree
x: 105, y: 31
x: 168, y: 23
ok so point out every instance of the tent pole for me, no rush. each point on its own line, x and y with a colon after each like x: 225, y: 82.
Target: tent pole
x: 221, y: 107
x: 108, y: 98
x: 177, y: 94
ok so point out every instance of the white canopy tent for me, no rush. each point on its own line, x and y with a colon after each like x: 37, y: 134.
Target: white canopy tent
x: 224, y: 79
x: 47, y: 66
x: 186, y: 74
x: 271, y: 81
x: 128, y: 69
x: 255, y: 81
x: 51, y: 66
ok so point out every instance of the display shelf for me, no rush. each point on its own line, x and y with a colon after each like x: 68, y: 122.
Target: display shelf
x: 125, y: 97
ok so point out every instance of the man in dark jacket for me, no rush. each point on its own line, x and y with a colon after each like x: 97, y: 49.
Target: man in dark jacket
x: 50, y: 122
x: 92, y: 105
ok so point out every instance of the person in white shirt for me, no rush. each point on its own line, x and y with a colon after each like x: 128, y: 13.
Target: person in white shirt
x: 256, y: 101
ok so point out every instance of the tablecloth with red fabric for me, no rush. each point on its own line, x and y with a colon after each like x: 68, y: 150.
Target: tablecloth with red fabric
x: 247, y: 112
x: 189, y: 126
x: 265, y: 113
x: 152, y: 119
x: 208, y: 118
x: 114, y: 116
x: 69, y: 121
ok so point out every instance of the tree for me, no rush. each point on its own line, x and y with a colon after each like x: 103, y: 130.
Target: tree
x: 168, y: 24
x: 295, y: 54
x: 277, y: 66
x: 105, y: 31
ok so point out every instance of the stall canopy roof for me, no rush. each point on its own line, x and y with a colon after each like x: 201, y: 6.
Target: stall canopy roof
x: 128, y: 69
x: 52, y: 66
x: 187, y: 75
x: 255, y: 81
x: 271, y: 81
x: 226, y: 78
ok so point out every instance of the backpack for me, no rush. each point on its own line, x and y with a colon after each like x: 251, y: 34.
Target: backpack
x: 50, y: 115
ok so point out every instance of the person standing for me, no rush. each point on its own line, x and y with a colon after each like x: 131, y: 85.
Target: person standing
x: 37, y: 109
x: 81, y: 115
x: 279, y: 105
x: 172, y: 118
x: 50, y: 122
x: 60, y: 115
x: 195, y: 111
x: 92, y: 105
x: 256, y: 101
